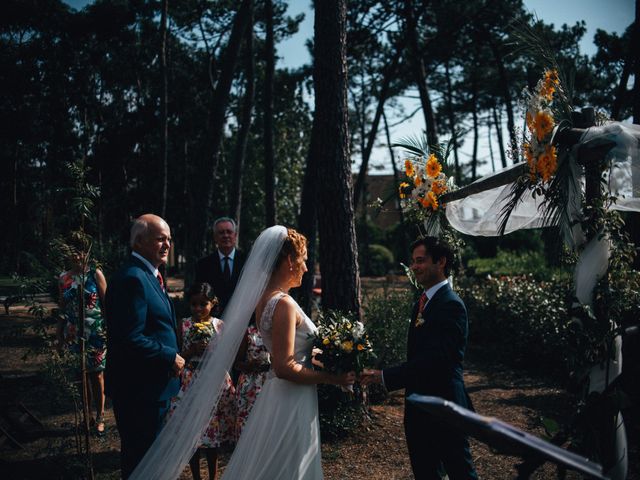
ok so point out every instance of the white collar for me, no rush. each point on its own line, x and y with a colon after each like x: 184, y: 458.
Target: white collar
x: 432, y: 291
x: 151, y: 268
x: 231, y: 255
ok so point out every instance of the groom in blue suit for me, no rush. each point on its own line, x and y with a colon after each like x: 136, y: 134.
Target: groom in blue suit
x: 436, y: 345
x: 143, y: 364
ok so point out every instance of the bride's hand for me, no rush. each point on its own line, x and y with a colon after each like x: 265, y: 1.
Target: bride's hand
x: 346, y: 379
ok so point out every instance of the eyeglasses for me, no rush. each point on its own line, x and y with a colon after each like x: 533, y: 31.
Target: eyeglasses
x: 222, y: 232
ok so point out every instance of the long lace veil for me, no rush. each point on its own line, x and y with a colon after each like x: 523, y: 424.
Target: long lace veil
x: 181, y: 435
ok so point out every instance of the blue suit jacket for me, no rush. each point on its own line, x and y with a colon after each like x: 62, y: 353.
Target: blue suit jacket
x: 435, y: 351
x: 141, y: 336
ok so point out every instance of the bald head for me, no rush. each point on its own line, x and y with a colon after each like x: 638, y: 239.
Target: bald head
x: 151, y: 238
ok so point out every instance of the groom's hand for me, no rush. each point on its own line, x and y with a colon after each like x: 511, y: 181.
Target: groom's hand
x: 369, y: 376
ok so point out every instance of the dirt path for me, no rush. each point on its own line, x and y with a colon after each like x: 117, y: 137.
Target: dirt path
x: 377, y: 451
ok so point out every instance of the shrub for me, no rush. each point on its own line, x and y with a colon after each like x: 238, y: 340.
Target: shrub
x: 340, y: 412
x: 512, y: 263
x: 387, y: 318
x: 379, y: 261
x: 519, y: 320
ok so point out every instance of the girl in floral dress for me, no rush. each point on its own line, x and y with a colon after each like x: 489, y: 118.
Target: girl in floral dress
x: 95, y: 327
x: 194, y: 335
x: 253, y: 363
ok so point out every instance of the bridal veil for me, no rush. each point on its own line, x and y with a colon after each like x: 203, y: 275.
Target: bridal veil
x: 180, y: 437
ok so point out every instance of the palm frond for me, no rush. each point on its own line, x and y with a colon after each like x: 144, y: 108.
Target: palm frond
x: 518, y: 188
x: 415, y: 144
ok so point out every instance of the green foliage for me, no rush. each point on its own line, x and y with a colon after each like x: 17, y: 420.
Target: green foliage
x: 340, y: 412
x: 379, y: 262
x: 387, y: 318
x: 519, y: 320
x: 514, y: 263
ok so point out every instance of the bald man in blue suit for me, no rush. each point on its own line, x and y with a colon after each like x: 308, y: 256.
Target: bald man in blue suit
x: 143, y: 365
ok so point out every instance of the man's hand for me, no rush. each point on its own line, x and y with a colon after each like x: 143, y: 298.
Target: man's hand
x: 178, y: 365
x: 369, y: 376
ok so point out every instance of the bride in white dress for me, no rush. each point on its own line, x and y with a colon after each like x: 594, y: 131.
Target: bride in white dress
x: 281, y: 439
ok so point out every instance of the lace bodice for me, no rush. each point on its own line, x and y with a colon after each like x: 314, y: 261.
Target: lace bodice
x: 304, y: 330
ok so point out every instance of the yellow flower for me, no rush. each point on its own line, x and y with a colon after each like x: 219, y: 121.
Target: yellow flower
x: 360, y: 347
x: 433, y: 166
x: 326, y: 341
x: 439, y: 187
x: 543, y: 124
x: 408, y: 168
x: 403, y: 189
x: 418, y: 180
x: 347, y: 346
x: 429, y: 201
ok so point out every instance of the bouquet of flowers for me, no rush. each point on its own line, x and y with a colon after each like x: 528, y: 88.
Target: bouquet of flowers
x: 426, y: 182
x: 540, y: 154
x: 343, y: 341
x: 202, y: 331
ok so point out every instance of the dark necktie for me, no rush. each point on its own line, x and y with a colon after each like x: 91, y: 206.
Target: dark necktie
x: 160, y: 281
x: 226, y: 272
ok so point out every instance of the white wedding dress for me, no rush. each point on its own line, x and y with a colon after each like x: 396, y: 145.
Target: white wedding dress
x: 281, y: 439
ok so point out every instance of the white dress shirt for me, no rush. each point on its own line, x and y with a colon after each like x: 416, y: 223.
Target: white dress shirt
x: 231, y: 256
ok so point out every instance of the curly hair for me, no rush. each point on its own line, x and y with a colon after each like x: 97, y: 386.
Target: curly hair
x: 294, y: 246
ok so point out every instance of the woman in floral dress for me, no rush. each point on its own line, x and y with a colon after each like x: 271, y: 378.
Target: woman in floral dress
x: 95, y: 333
x: 195, y: 333
x: 253, y: 363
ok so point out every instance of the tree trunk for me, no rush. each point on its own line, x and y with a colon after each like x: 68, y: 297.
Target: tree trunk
x: 308, y: 222
x: 387, y: 76
x: 164, y: 122
x: 498, y: 124
x: 506, y: 93
x: 243, y: 131
x: 476, y: 133
x: 338, y: 249
x: 635, y: 39
x: 452, y: 124
x: 622, y: 87
x: 201, y: 222
x: 394, y: 167
x: 269, y: 157
x: 493, y: 161
x: 419, y: 71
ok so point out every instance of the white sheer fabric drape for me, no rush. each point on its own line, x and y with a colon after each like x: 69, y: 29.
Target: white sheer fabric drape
x: 179, y: 438
x: 479, y: 214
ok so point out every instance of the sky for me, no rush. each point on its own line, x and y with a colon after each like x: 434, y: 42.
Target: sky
x: 609, y: 15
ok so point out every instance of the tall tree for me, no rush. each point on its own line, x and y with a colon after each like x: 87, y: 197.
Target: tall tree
x: 218, y: 119
x: 419, y: 71
x: 269, y: 157
x: 245, y: 126
x: 164, y: 113
x: 338, y: 249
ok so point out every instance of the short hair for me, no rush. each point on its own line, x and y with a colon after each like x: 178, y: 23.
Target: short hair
x: 140, y: 227
x: 437, y: 248
x: 222, y: 220
x: 294, y: 245
x: 204, y: 289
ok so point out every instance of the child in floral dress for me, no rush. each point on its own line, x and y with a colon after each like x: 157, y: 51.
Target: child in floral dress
x: 253, y: 363
x: 195, y: 333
